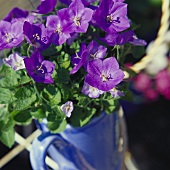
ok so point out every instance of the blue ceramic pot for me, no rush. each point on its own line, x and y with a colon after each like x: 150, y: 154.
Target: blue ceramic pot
x: 97, y: 146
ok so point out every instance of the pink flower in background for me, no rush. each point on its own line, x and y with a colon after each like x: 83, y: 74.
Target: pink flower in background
x: 162, y: 81
x: 151, y: 95
x: 142, y: 82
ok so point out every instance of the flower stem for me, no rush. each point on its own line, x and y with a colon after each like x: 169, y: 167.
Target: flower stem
x: 36, y: 90
x: 28, y: 50
x: 13, y: 49
x: 88, y: 103
x: 117, y: 52
x: 5, y: 54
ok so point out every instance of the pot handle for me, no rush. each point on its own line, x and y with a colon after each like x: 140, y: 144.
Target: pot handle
x: 39, y: 149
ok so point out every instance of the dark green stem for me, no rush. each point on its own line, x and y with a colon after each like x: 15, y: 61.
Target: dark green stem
x: 88, y: 103
x: 13, y: 49
x: 28, y: 50
x: 118, y: 54
x: 37, y: 92
x: 5, y: 54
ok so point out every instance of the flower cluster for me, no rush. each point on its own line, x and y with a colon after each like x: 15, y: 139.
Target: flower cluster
x: 65, y: 62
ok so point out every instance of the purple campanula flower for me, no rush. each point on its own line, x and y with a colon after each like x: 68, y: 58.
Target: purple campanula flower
x: 36, y: 35
x: 138, y: 42
x: 104, y: 74
x: 85, y: 2
x: 90, y: 91
x: 67, y: 108
x: 38, y: 68
x: 46, y: 6
x: 113, y: 39
x: 11, y: 34
x: 66, y: 2
x: 75, y: 18
x: 111, y: 16
x: 16, y: 13
x: 78, y: 59
x: 55, y: 31
x: 116, y: 93
x: 15, y: 61
x: 29, y: 19
x: 95, y: 51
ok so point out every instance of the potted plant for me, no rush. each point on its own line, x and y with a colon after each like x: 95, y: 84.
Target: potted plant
x: 65, y: 65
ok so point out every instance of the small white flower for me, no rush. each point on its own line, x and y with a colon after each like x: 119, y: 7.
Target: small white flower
x: 15, y: 61
x: 67, y: 108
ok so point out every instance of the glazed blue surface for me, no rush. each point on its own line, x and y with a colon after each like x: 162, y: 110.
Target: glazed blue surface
x: 92, y: 147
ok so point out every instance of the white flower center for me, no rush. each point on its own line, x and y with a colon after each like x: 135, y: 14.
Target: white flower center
x: 8, y: 37
x: 36, y: 36
x: 104, y: 77
x: 77, y: 20
x: 109, y: 18
x: 94, y: 55
x: 58, y: 30
x: 40, y: 68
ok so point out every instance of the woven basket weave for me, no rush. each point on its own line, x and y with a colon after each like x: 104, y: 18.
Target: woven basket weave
x: 164, y: 25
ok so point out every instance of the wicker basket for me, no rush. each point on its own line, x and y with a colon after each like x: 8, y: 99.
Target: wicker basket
x: 164, y: 26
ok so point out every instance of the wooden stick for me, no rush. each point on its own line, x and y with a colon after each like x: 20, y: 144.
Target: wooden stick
x: 25, y: 143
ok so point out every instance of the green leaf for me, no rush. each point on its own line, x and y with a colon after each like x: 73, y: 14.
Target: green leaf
x: 65, y: 62
x: 52, y: 94
x: 56, y: 120
x: 22, y: 118
x: 11, y: 78
x: 7, y: 131
x: 25, y: 79
x: 6, y: 96
x: 25, y: 103
x: 23, y: 49
x: 63, y: 75
x: 4, y: 116
x: 50, y: 51
x: 75, y: 46
x: 57, y: 125
x: 38, y: 113
x: 81, y: 116
x: 25, y: 97
x: 58, y: 48
x: 7, y: 137
x: 110, y: 105
x: 24, y: 92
